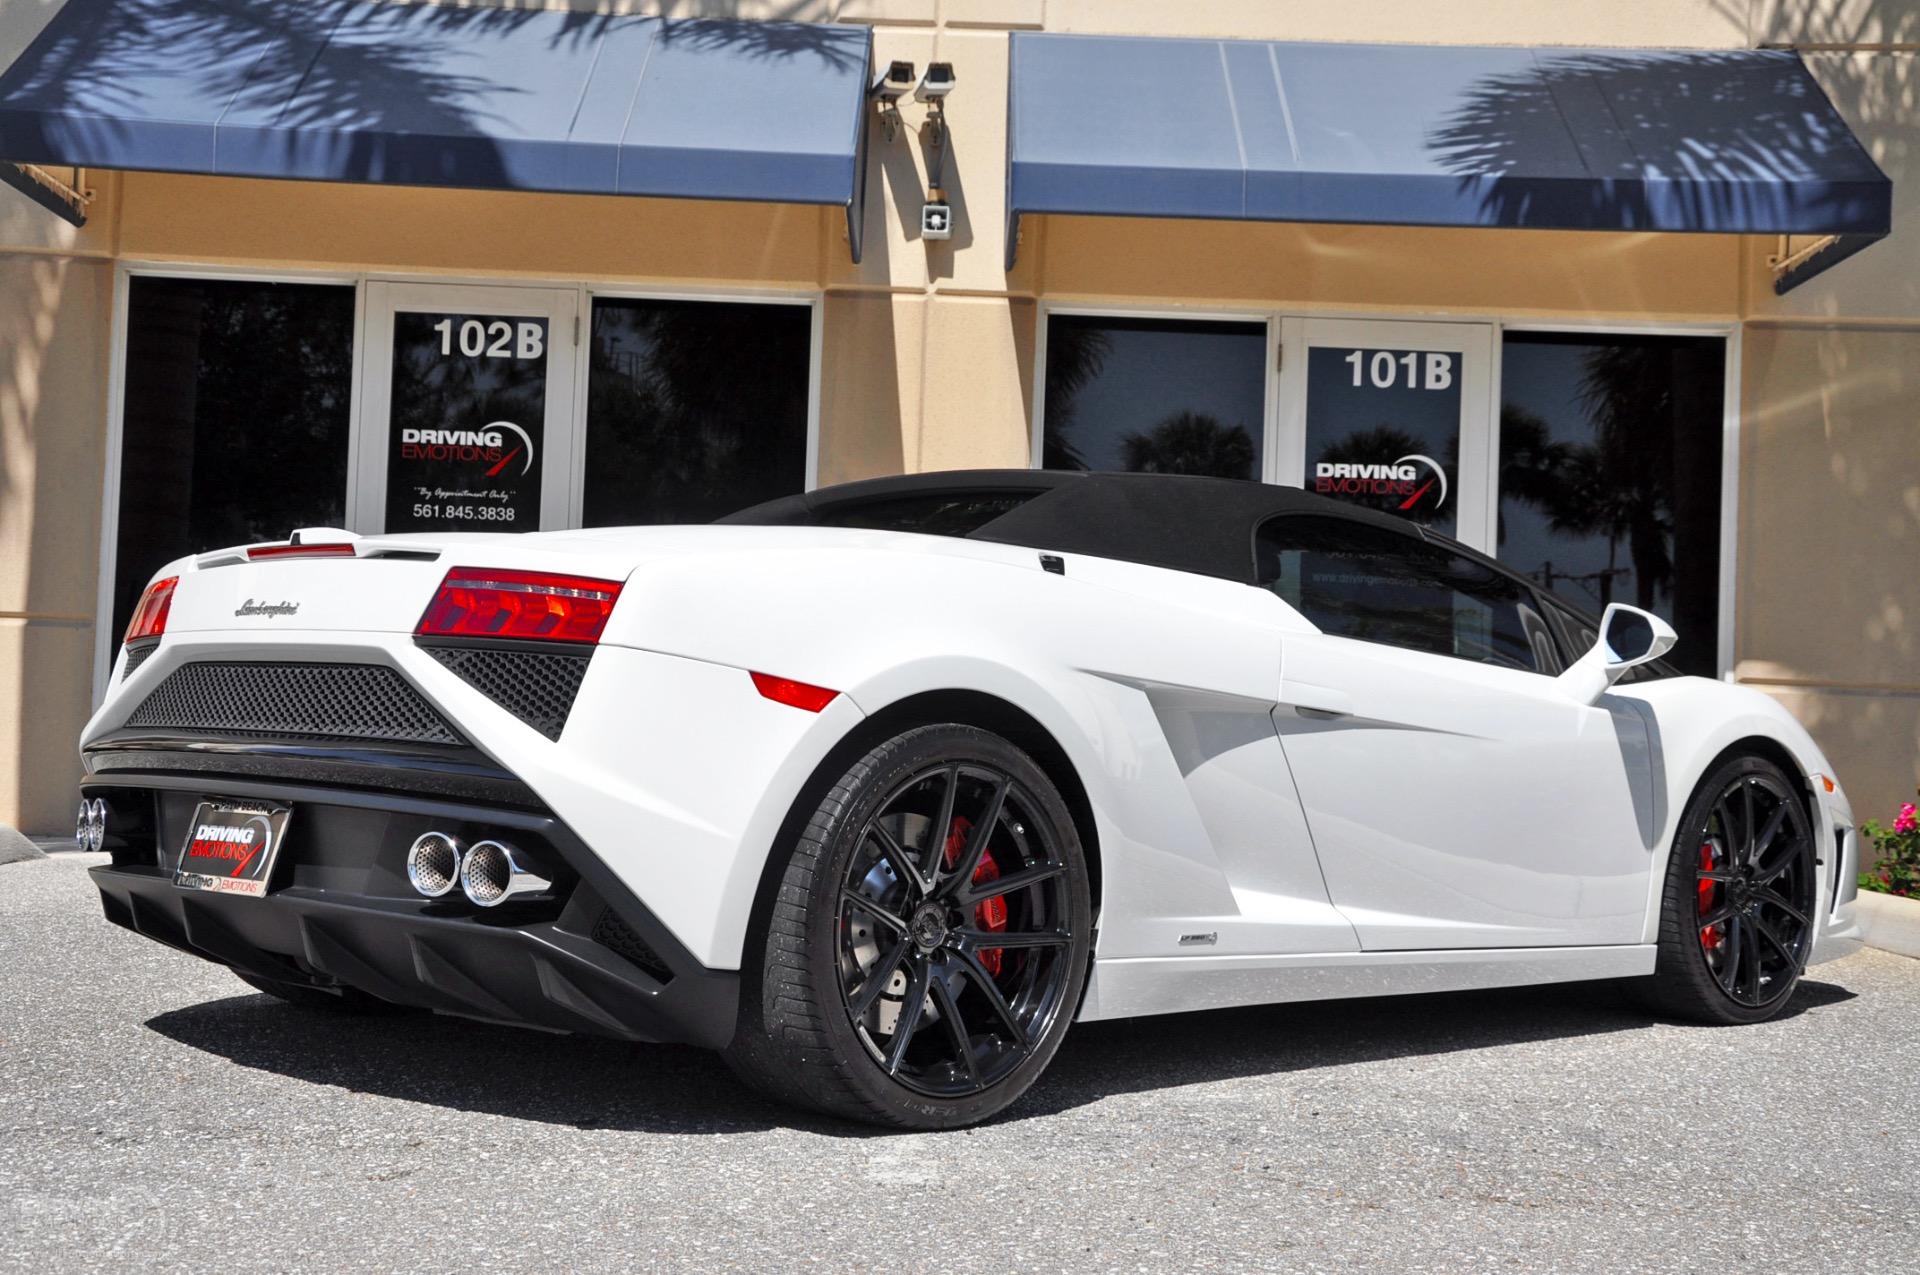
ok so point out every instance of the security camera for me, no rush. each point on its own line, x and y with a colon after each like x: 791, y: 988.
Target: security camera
x: 935, y: 84
x: 936, y: 220
x: 893, y: 85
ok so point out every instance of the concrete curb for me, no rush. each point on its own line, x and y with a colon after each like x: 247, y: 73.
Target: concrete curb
x: 15, y: 848
x: 1889, y: 922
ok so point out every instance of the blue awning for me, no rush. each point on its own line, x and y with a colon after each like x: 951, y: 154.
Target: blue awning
x: 1738, y: 141
x: 436, y: 95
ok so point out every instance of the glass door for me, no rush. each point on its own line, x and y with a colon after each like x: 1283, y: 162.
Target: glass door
x: 1391, y: 416
x: 466, y: 409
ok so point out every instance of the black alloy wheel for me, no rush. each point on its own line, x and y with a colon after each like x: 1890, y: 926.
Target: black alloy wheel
x: 928, y: 939
x: 1755, y: 890
x: 1742, y: 897
x: 954, y: 930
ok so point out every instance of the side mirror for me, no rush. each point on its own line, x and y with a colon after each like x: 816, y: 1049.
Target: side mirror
x: 1628, y: 637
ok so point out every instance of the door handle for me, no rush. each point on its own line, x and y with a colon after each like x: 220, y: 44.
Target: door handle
x: 1316, y: 701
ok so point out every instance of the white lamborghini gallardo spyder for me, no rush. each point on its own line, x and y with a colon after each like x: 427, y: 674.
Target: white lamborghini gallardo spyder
x: 880, y: 788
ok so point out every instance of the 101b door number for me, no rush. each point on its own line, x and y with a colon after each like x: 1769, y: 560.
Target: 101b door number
x: 493, y: 339
x: 1383, y: 370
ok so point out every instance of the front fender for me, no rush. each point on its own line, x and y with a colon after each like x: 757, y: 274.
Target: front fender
x: 1693, y: 722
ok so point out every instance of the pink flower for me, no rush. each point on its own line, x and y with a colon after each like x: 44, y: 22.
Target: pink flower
x: 1906, y: 821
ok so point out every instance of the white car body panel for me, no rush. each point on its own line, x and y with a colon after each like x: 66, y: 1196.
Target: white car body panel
x: 1442, y: 805
x: 1434, y: 837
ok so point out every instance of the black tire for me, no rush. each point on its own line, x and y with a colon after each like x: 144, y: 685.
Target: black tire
x: 836, y: 959
x: 344, y: 1000
x: 1737, y: 914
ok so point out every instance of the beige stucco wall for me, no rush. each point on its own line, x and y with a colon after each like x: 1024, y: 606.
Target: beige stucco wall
x: 53, y: 365
x: 1829, y: 583
x: 1829, y: 580
x: 470, y: 233
x: 1517, y: 274
x: 928, y: 348
x: 56, y: 290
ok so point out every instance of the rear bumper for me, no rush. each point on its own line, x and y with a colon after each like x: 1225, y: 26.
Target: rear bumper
x: 338, y: 912
x: 676, y: 771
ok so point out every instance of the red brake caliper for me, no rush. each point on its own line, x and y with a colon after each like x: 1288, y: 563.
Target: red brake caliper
x: 989, y: 914
x: 1710, y: 937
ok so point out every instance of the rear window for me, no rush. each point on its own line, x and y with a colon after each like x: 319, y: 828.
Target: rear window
x: 931, y: 514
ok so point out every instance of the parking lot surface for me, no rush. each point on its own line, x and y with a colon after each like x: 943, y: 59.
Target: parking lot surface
x: 157, y: 1113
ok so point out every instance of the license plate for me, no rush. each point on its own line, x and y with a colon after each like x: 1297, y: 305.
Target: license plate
x: 231, y: 847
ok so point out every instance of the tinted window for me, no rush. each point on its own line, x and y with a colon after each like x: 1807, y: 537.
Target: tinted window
x: 1579, y: 632
x: 486, y: 377
x: 1159, y: 396
x: 1610, y: 450
x: 934, y: 514
x: 694, y: 409
x: 1377, y: 585
x: 235, y: 427
x: 1383, y: 431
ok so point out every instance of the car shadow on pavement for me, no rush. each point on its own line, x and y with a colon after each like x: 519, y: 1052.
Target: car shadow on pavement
x: 1139, y: 1054
x: 468, y: 1066
x: 602, y: 1084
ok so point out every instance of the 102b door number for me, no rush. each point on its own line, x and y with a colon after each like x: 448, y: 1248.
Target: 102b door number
x: 1384, y: 370
x: 493, y: 339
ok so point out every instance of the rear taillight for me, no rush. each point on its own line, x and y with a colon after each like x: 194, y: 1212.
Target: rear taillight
x: 299, y: 551
x: 489, y: 602
x: 150, y: 617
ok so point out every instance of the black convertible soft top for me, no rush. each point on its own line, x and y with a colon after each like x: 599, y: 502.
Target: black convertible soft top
x: 1206, y: 526
x: 1201, y: 525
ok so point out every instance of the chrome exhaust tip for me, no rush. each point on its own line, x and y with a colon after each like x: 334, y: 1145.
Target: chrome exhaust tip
x: 494, y: 872
x: 433, y: 863
x: 90, y: 824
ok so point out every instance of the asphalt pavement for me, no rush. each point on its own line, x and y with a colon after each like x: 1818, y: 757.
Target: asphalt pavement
x: 155, y: 1113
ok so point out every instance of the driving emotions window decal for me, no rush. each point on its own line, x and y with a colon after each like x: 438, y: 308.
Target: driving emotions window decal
x: 1383, y: 430
x: 468, y: 410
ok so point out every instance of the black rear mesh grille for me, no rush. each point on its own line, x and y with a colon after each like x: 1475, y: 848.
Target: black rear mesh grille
x: 619, y: 938
x: 296, y: 701
x: 538, y: 687
x: 137, y: 655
